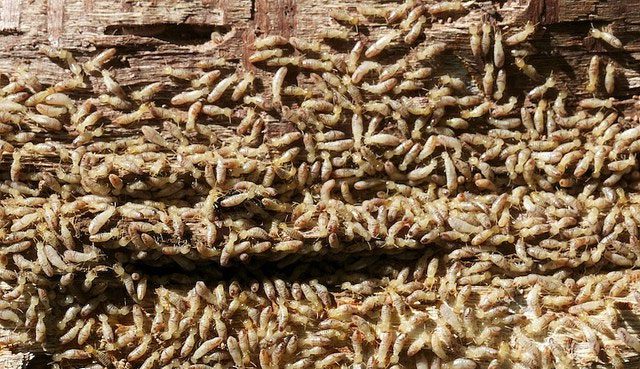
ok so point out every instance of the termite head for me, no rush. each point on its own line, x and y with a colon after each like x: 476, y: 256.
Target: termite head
x: 551, y: 81
x: 530, y: 27
x: 519, y: 62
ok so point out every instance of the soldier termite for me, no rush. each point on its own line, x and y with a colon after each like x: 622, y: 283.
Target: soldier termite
x: 606, y: 36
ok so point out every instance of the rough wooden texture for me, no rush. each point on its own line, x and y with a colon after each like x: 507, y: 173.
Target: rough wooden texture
x: 153, y: 33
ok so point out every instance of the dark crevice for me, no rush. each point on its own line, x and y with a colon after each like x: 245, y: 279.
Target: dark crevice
x: 179, y: 34
x: 11, y: 31
x: 253, y: 10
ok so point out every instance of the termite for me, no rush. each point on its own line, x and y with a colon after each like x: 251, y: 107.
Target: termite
x: 316, y: 65
x: 269, y: 42
x: 610, y: 78
x: 606, y: 36
x: 539, y: 91
x: 123, y: 120
x: 112, y: 85
x: 380, y: 44
x: 475, y: 40
x: 486, y: 38
x: 354, y: 56
x: 51, y: 111
x: 206, y: 347
x: 380, y: 88
x: 276, y: 85
x: 527, y: 69
x: 177, y: 73
x: 99, y: 60
x: 243, y: 86
x: 498, y: 50
x: 594, y: 103
x: 115, y: 102
x: 431, y: 51
x: 221, y: 87
x: 446, y: 7
x: 147, y: 92
x: 594, y: 74
x: 260, y: 56
x: 420, y: 73
x: 304, y: 45
x: 345, y: 17
x: 487, y: 80
x: 334, y: 34
x: 48, y: 123
x: 415, y: 31
x: 100, y: 220
x: 501, y: 84
x: 207, y: 79
x: 188, y: 97
x: 521, y: 36
x: 363, y: 69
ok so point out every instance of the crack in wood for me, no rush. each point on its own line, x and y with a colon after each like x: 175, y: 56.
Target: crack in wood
x: 175, y: 33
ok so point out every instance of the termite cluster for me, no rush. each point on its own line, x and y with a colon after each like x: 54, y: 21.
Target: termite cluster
x: 375, y: 312
x: 352, y: 146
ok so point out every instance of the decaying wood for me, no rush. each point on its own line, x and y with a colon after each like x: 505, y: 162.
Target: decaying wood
x: 152, y: 34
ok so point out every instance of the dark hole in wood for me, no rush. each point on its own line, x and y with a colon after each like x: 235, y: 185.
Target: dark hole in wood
x: 180, y: 34
x: 40, y: 360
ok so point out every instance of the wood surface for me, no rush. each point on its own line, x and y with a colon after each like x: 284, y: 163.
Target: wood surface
x: 152, y: 34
